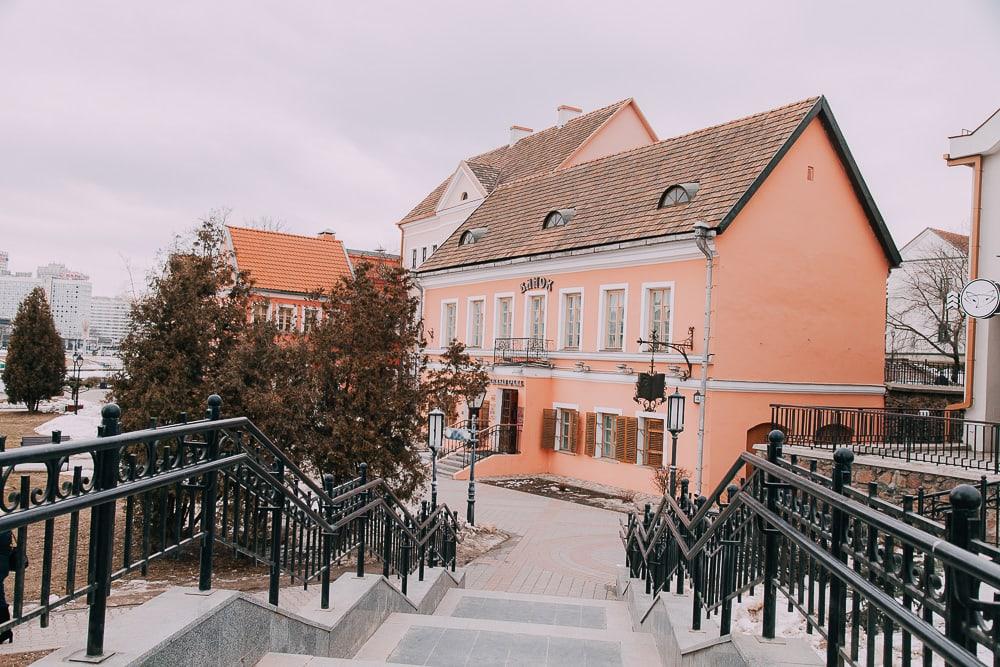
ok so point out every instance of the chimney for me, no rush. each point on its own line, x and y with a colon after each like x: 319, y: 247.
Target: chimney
x: 517, y: 132
x: 566, y: 113
x: 327, y: 234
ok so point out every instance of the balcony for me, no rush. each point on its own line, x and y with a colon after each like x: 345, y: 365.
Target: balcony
x: 521, y: 352
x: 910, y: 371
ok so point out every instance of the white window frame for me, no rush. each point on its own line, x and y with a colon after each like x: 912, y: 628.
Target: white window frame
x: 644, y: 322
x: 496, y: 315
x: 599, y: 435
x: 602, y: 316
x: 444, y: 327
x: 267, y: 310
x: 561, y: 408
x: 563, y: 293
x: 306, y: 310
x: 284, y: 307
x: 527, y: 312
x: 481, y: 300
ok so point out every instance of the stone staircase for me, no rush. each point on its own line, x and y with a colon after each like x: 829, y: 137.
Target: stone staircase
x: 477, y: 627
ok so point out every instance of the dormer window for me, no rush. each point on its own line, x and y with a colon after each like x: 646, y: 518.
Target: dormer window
x: 678, y: 194
x: 558, y: 218
x: 470, y: 236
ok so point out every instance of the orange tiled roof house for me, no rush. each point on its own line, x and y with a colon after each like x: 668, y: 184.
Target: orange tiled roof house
x: 555, y: 275
x: 287, y: 270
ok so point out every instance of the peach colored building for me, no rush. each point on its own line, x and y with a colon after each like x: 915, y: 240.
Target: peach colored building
x: 554, y: 277
x: 288, y: 269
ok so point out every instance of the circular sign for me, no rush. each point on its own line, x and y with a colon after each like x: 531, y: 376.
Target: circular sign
x: 981, y: 298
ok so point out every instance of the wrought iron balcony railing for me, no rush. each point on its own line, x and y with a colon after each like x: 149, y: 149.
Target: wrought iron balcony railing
x: 521, y: 351
x: 909, y: 371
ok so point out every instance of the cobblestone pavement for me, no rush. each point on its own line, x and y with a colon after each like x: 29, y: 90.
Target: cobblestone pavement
x: 556, y: 548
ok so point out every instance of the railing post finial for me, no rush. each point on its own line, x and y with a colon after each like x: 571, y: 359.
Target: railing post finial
x: 110, y: 415
x: 960, y: 587
x: 775, y: 442
x: 214, y: 406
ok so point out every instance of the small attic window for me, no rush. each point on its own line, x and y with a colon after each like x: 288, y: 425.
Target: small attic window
x: 465, y: 195
x: 470, y: 236
x: 678, y: 194
x: 558, y: 218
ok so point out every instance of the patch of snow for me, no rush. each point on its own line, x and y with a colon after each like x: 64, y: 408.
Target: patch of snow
x: 79, y: 426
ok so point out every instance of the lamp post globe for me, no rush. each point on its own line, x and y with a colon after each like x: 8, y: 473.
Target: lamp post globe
x: 475, y: 405
x: 435, y: 434
x: 675, y: 424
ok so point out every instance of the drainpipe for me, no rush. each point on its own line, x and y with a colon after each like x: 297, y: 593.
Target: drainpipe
x: 703, y: 235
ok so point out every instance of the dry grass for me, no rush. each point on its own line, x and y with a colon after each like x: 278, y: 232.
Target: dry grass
x: 16, y: 424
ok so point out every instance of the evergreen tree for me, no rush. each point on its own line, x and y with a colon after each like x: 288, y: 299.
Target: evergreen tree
x: 184, y: 330
x: 36, y: 363
x: 459, y: 378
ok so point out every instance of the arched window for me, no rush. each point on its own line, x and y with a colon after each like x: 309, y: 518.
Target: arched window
x: 465, y: 195
x: 467, y: 239
x: 558, y: 218
x: 678, y: 194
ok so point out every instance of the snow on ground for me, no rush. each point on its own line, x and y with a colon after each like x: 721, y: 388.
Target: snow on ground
x: 78, y: 426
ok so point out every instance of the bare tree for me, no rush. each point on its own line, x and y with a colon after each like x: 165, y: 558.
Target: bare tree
x: 918, y: 307
x: 267, y: 223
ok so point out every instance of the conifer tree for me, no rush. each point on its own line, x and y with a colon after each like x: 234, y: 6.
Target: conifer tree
x: 36, y: 363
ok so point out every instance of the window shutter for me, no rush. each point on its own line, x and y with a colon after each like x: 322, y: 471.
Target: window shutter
x: 654, y: 444
x: 631, y: 439
x: 574, y: 431
x: 484, y: 416
x: 620, y: 424
x: 548, y: 429
x: 590, y: 434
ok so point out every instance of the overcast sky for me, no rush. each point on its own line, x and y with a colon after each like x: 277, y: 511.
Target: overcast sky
x: 122, y: 123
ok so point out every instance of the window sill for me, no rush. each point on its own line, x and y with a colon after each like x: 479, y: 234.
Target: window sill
x: 566, y: 452
x: 606, y: 459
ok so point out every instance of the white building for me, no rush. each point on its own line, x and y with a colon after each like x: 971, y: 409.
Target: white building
x: 68, y: 293
x: 980, y: 150
x: 108, y: 323
x: 920, y: 324
x: 576, y: 137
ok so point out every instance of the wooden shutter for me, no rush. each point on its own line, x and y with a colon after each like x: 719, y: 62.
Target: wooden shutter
x: 590, y: 435
x: 484, y: 416
x: 631, y: 439
x: 548, y: 429
x: 574, y: 431
x: 620, y: 438
x: 654, y: 443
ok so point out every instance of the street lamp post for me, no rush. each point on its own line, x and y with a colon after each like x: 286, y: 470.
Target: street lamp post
x: 77, y: 366
x: 675, y: 424
x: 435, y: 433
x: 474, y: 406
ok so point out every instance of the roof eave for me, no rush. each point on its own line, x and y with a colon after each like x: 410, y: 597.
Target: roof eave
x: 822, y: 110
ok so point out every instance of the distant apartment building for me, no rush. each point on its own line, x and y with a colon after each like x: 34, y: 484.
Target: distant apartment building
x: 68, y: 293
x: 287, y: 270
x: 575, y: 138
x: 107, y: 324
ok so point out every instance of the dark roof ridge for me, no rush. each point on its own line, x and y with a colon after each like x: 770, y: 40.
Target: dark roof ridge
x: 711, y: 128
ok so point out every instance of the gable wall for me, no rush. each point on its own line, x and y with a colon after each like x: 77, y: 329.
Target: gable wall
x: 801, y: 278
x: 622, y: 132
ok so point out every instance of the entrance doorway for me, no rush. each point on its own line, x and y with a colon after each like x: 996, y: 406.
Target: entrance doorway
x: 508, y: 421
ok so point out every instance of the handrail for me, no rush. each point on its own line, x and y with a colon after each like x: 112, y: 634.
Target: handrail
x: 834, y: 539
x: 155, y: 490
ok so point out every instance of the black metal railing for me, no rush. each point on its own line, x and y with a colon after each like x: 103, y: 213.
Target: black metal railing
x: 909, y: 371
x: 105, y: 507
x: 939, y: 437
x: 880, y: 583
x: 497, y: 439
x: 521, y: 351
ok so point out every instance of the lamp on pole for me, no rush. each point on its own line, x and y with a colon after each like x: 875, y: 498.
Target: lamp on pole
x: 435, y: 433
x: 77, y: 366
x: 675, y: 424
x: 475, y: 404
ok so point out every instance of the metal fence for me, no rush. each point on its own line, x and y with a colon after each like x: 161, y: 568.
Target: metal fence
x: 909, y: 371
x: 939, y: 437
x: 105, y: 507
x: 497, y: 439
x: 880, y: 583
x: 521, y: 351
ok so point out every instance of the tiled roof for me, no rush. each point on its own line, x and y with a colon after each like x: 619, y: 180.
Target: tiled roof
x: 373, y: 256
x: 536, y: 153
x: 616, y: 197
x: 289, y: 262
x: 959, y: 241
